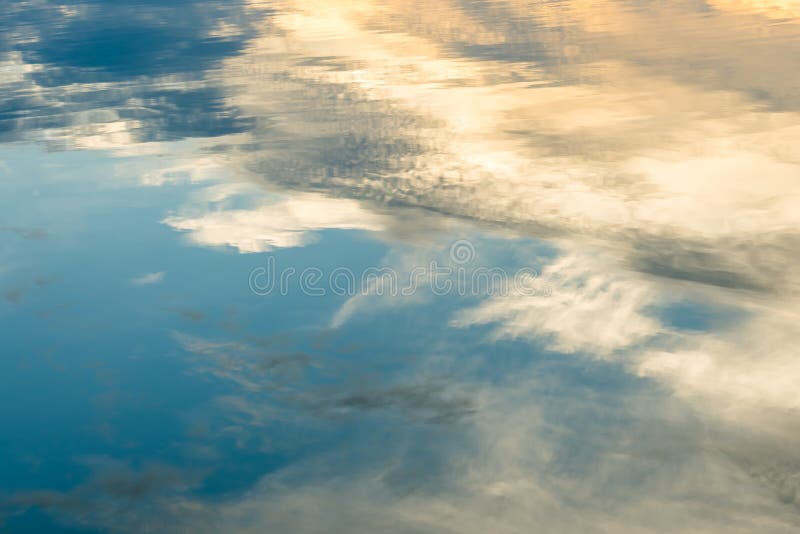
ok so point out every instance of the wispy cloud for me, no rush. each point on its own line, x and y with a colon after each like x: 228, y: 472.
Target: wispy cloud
x: 149, y: 279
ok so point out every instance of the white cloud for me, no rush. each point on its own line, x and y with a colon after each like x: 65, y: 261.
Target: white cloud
x: 587, y: 307
x: 149, y: 279
x: 286, y: 223
x: 744, y: 374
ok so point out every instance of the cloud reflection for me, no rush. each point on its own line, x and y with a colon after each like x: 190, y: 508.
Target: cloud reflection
x: 651, y: 145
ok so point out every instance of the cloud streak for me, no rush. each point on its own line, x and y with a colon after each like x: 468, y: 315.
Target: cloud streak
x: 149, y: 279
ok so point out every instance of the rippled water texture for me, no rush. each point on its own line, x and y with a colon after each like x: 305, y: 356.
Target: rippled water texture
x: 495, y: 266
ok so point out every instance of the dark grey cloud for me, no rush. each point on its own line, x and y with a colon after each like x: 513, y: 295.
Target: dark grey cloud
x: 703, y: 267
x: 116, y: 497
x: 320, y: 386
x: 733, y: 263
x: 26, y: 233
x: 13, y: 296
x: 428, y: 401
x: 192, y: 315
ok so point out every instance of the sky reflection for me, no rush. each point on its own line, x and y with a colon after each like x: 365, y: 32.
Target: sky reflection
x: 640, y: 158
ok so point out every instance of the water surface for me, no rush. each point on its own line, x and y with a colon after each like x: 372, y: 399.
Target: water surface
x: 398, y: 266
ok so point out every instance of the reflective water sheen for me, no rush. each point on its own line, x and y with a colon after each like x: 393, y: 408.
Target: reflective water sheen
x: 354, y: 266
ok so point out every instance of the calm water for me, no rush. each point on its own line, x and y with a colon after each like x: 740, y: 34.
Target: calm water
x: 346, y: 266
